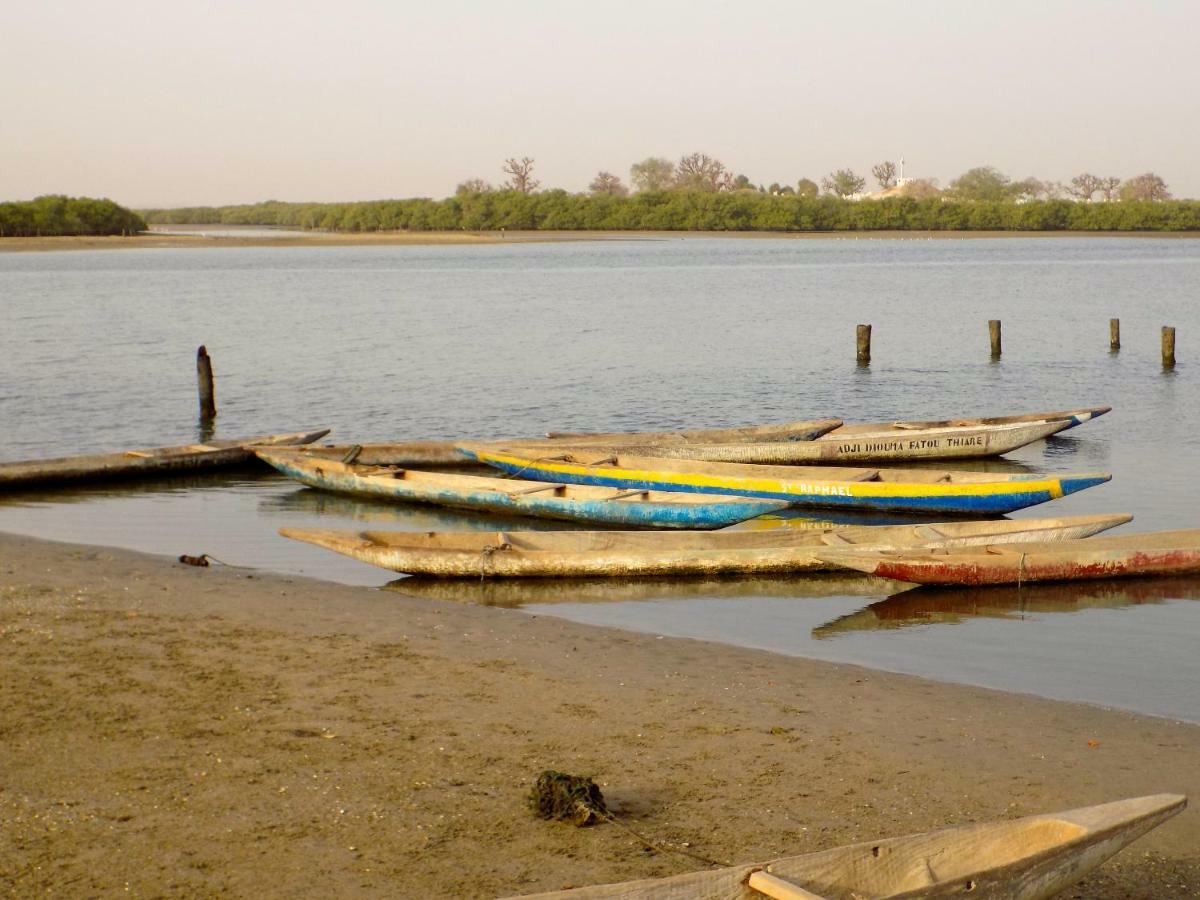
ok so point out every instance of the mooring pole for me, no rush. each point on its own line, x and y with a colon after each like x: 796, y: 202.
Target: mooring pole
x: 1168, y: 346
x: 204, y: 381
x: 994, y: 336
x: 1114, y: 334
x: 863, y: 339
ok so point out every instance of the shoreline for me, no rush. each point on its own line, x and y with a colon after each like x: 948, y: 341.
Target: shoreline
x: 165, y: 240
x: 173, y: 729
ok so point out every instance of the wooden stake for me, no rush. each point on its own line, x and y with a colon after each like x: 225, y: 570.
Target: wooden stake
x: 777, y: 888
x: 864, y: 344
x: 994, y: 335
x: 1168, y: 346
x: 204, y: 381
x: 1114, y: 334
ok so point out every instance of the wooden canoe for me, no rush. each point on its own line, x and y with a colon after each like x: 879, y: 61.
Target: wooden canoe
x: 1124, y: 556
x: 929, y: 491
x: 1022, y: 859
x: 150, y: 462
x: 624, y: 554
x: 894, y: 441
x: 631, y: 508
x: 443, y: 453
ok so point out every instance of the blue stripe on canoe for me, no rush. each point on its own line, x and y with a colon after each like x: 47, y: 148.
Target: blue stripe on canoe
x: 965, y: 504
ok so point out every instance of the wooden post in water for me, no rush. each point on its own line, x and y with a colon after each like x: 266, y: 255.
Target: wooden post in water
x: 1168, y: 346
x: 994, y: 336
x: 204, y: 381
x: 1114, y: 334
x: 863, y: 337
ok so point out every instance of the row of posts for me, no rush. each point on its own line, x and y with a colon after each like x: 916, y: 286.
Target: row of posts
x: 1114, y: 341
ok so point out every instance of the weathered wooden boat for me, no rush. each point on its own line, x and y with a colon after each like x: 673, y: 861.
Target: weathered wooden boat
x: 623, y: 554
x: 154, y: 461
x: 930, y: 491
x: 1023, y: 859
x: 444, y: 454
x: 631, y: 508
x: 880, y: 442
x: 1124, y: 556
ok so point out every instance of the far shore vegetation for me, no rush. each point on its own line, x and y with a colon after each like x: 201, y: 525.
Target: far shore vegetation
x: 697, y: 193
x: 55, y: 215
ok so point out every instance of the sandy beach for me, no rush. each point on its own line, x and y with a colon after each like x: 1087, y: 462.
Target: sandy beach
x: 177, y: 730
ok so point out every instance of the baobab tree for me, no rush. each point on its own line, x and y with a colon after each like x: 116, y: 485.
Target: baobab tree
x: 608, y: 183
x: 700, y: 172
x: 885, y: 174
x: 520, y: 175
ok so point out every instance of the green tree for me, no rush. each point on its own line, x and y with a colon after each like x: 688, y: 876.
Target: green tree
x: 806, y: 187
x: 701, y: 172
x: 652, y: 174
x: 843, y: 183
x: 982, y: 183
x: 472, y: 186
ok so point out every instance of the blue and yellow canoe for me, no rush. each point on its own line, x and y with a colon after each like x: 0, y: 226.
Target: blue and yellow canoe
x: 627, y: 508
x: 932, y: 491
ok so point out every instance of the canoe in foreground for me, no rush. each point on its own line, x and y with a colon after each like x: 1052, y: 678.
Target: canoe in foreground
x: 155, y: 461
x: 930, y: 491
x: 622, y: 554
x: 1124, y: 556
x: 1022, y: 859
x: 632, y: 508
x: 444, y: 453
x: 895, y: 441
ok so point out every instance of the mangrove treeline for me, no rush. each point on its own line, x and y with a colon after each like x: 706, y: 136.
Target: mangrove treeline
x: 675, y: 210
x: 55, y: 215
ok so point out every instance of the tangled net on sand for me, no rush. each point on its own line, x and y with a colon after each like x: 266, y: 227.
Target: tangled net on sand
x: 557, y: 795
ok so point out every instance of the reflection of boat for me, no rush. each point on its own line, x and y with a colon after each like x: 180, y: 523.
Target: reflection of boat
x: 850, y: 444
x: 632, y: 509
x: 156, y: 461
x: 951, y: 606
x: 1020, y: 859
x: 444, y: 453
x: 929, y: 491
x: 1124, y: 556
x: 531, y: 591
x: 623, y: 554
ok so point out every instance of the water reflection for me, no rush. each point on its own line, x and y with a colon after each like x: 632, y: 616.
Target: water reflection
x: 514, y: 592
x: 945, y: 606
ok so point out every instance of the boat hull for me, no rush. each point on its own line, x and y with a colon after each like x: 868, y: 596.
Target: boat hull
x: 518, y: 497
x: 1164, y: 553
x: 810, y: 487
x: 1024, y: 859
x: 145, y: 463
x: 615, y: 554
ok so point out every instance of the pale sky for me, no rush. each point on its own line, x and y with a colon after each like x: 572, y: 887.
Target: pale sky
x: 177, y: 102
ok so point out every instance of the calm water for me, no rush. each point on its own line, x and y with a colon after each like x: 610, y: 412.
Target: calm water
x: 384, y: 343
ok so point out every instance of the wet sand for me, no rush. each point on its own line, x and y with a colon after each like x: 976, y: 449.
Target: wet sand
x: 161, y: 240
x: 174, y: 730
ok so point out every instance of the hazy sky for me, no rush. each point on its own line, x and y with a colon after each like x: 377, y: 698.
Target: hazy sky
x: 174, y: 102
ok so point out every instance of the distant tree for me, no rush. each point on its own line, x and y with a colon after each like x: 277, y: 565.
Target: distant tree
x: 1145, y: 187
x: 1108, y: 186
x: 1083, y: 187
x: 701, y: 172
x: 608, y: 183
x: 843, y: 182
x: 652, y: 174
x: 742, y: 183
x: 982, y: 183
x: 806, y: 187
x: 885, y: 174
x: 520, y: 175
x: 472, y: 186
x: 1033, y: 189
